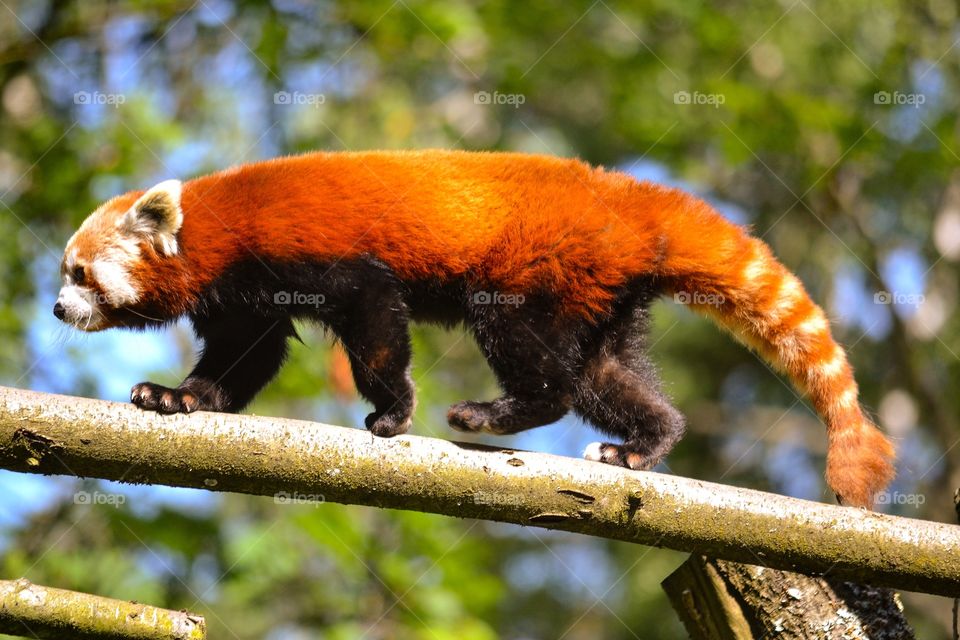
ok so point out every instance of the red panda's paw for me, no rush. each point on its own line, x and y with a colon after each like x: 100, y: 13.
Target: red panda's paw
x: 388, y: 425
x: 469, y: 416
x: 155, y: 397
x: 618, y: 455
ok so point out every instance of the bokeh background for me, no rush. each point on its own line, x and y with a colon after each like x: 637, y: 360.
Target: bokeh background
x: 830, y: 128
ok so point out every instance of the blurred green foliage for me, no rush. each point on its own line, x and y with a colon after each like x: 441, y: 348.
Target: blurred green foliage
x: 775, y: 111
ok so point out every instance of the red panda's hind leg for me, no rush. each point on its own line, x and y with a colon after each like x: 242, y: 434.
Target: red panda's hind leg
x: 619, y: 401
x: 505, y: 415
x: 619, y: 391
x: 533, y: 353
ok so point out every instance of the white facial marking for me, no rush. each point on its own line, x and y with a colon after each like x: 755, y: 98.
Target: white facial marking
x: 81, y: 307
x: 115, y: 282
x: 71, y: 260
x: 84, y: 305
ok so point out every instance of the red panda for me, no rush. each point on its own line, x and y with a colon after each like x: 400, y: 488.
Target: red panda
x: 552, y: 263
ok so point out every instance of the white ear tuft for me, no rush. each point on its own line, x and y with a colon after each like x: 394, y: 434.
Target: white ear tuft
x: 157, y: 215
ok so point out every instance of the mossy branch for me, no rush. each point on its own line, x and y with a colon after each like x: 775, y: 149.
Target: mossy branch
x: 292, y: 460
x: 42, y: 612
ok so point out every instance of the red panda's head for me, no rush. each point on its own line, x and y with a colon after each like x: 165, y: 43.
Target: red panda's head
x: 105, y: 260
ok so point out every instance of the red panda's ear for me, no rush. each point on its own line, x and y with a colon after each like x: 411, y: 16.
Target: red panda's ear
x: 158, y: 216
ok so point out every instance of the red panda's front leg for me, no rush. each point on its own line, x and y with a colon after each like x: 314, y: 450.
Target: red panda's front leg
x: 374, y: 332
x: 241, y: 354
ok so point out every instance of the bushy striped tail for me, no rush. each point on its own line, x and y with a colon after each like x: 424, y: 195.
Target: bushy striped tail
x: 721, y: 271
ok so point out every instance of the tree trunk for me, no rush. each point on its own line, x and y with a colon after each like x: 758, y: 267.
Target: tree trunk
x: 720, y: 600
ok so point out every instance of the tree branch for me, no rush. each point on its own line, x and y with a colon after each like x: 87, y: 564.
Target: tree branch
x: 295, y: 460
x: 42, y: 612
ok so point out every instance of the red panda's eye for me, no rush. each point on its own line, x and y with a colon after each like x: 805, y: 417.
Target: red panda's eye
x: 78, y: 275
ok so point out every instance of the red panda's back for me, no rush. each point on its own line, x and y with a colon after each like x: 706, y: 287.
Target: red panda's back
x: 516, y: 221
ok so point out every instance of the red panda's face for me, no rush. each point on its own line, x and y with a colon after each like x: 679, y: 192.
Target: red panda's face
x: 100, y: 263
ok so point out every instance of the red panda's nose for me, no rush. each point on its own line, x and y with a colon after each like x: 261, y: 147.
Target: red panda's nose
x: 59, y: 311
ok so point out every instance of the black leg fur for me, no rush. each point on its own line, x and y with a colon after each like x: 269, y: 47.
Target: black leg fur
x: 374, y: 332
x: 619, y: 393
x: 622, y: 402
x: 245, y: 318
x: 531, y: 353
x: 241, y: 353
x: 546, y: 361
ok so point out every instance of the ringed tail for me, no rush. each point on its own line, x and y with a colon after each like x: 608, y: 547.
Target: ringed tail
x: 732, y: 277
